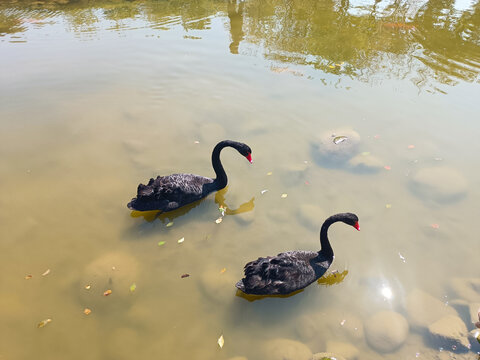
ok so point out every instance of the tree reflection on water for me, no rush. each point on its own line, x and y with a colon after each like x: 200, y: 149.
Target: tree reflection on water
x: 429, y: 42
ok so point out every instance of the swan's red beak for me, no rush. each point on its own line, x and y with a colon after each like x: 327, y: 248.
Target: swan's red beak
x: 249, y: 158
x: 357, y: 226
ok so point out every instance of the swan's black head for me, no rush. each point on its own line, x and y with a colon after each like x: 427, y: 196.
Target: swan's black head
x: 245, y: 150
x: 350, y: 219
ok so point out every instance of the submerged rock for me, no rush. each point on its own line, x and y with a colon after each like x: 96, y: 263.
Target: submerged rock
x: 423, y: 309
x: 450, y: 331
x: 439, y: 184
x: 474, y: 337
x: 114, y: 271
x: 327, y: 356
x: 336, y: 146
x: 346, y: 350
x: 475, y: 314
x: 311, y: 216
x: 466, y: 288
x: 286, y: 349
x: 386, y: 331
x: 366, y: 163
x: 339, y: 323
x: 217, y: 286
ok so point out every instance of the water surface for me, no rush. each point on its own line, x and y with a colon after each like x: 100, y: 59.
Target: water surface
x: 97, y: 96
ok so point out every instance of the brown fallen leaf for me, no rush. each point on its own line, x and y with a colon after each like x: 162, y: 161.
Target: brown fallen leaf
x: 28, y: 277
x: 87, y: 287
x: 107, y: 292
x: 185, y: 276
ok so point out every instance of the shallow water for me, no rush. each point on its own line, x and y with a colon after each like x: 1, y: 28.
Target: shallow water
x: 97, y: 96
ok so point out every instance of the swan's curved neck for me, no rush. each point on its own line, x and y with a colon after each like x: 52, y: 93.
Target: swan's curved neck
x: 324, y: 242
x: 221, y: 179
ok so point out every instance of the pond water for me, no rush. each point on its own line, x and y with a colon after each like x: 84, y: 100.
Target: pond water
x: 98, y: 96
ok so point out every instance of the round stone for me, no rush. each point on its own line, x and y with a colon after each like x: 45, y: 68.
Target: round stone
x: 311, y: 216
x: 386, y: 331
x: 336, y: 146
x: 286, y: 349
x: 115, y: 271
x: 451, y: 331
x: 439, y: 184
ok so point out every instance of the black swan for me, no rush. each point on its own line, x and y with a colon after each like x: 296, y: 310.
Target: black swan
x: 293, y: 270
x: 167, y: 193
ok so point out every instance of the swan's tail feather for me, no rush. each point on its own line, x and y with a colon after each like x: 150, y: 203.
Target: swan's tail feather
x: 240, y: 285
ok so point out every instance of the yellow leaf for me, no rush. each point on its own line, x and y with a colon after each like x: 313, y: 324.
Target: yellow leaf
x: 220, y: 341
x: 46, y: 272
x: 284, y: 196
x: 269, y: 173
x: 107, y: 292
x: 223, y: 270
x: 87, y: 287
x: 87, y: 311
x: 169, y: 224
x: 28, y: 277
x: 219, y: 220
x: 181, y: 240
x: 43, y: 323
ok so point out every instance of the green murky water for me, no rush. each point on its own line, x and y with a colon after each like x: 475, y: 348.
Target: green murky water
x: 97, y: 96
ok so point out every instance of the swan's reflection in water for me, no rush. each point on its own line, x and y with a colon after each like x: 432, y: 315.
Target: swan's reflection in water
x: 166, y: 217
x: 331, y: 279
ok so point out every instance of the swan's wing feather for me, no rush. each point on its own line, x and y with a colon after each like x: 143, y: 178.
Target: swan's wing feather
x: 281, y: 274
x: 170, y: 192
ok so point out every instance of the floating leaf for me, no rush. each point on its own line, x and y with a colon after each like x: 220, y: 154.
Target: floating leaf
x: 87, y: 287
x: 386, y: 167
x: 223, y: 270
x: 219, y: 220
x: 160, y: 243
x: 331, y: 66
x: 366, y: 153
x: 43, y: 323
x: 402, y: 257
x: 181, y: 240
x: 87, y: 311
x: 435, y: 226
x: 107, y: 292
x: 263, y: 191
x: 28, y: 277
x: 269, y: 173
x: 388, y: 206
x: 220, y: 341
x: 185, y: 276
x: 284, y: 196
x: 46, y: 272
x: 114, y: 268
x: 197, y: 142
x: 169, y: 224
x: 307, y: 182
x: 411, y: 146
x: 343, y: 322
x: 133, y: 287
x: 339, y: 139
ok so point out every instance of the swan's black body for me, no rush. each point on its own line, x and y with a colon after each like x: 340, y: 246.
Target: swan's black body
x: 293, y: 270
x: 167, y: 193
